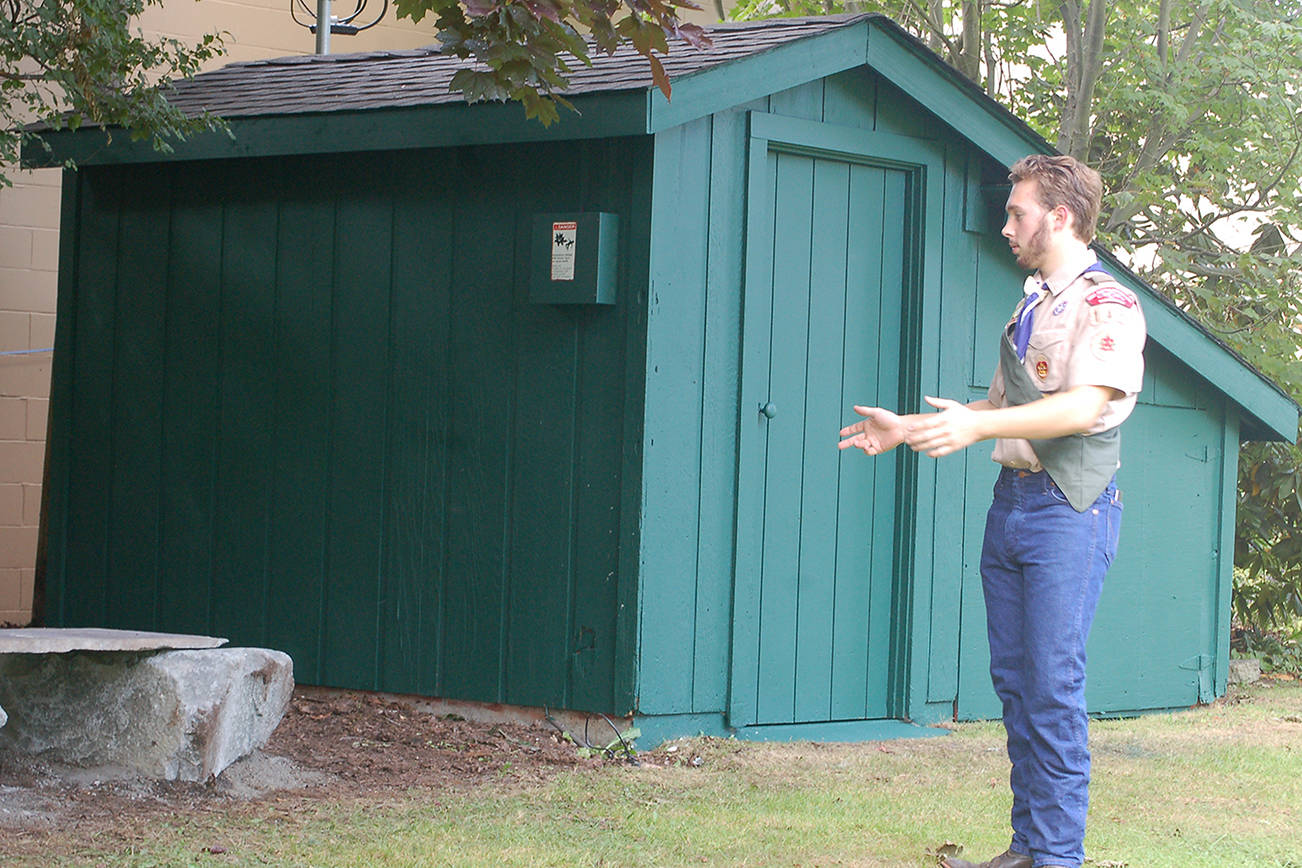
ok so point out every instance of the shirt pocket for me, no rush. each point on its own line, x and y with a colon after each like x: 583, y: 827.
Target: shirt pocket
x: 1048, y: 355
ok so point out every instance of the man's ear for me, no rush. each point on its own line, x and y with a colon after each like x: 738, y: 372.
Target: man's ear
x: 1063, y: 219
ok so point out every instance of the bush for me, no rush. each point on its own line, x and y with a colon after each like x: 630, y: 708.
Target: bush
x: 1280, y: 651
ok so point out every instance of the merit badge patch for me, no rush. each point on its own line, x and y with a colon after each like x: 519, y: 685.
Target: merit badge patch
x: 1057, y: 311
x: 1104, y: 345
x: 1042, y: 369
x: 1110, y: 295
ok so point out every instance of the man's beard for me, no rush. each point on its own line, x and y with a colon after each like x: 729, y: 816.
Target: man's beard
x: 1031, y: 254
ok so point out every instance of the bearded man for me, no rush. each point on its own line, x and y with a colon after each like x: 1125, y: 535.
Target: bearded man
x: 1070, y: 367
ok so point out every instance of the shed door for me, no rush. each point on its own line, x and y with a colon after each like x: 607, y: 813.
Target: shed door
x: 825, y: 277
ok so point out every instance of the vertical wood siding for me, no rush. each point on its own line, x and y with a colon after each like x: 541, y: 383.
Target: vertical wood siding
x: 694, y: 338
x: 308, y: 406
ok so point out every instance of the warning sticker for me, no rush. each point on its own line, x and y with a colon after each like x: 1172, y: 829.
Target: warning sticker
x: 564, y: 236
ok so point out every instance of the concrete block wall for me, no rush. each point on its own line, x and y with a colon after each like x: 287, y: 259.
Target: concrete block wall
x: 29, y: 244
x: 29, y: 250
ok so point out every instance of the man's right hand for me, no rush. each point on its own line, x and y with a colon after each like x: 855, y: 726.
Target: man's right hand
x: 879, y: 431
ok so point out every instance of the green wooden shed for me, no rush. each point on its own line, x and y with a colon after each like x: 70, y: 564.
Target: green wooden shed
x: 315, y: 389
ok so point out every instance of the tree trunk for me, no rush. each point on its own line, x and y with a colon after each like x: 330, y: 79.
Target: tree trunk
x: 1084, y: 62
x: 969, y: 59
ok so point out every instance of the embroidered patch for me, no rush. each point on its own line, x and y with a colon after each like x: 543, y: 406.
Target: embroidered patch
x: 1110, y: 295
x: 1057, y: 311
x: 1042, y: 369
x: 1106, y: 313
x: 1104, y: 346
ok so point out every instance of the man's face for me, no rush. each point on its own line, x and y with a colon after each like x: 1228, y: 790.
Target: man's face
x: 1027, y: 226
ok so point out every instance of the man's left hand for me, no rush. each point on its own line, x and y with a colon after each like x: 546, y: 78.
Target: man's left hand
x: 955, y: 427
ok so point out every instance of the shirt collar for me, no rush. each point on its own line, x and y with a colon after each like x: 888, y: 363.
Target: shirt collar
x: 1066, y: 274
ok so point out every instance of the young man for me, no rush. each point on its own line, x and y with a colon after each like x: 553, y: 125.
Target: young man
x: 1071, y: 364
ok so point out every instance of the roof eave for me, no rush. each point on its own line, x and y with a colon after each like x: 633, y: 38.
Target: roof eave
x: 946, y: 93
x: 601, y: 114
x: 741, y: 81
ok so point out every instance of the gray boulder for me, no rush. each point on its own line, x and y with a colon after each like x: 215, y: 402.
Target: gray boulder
x: 1244, y: 671
x: 177, y: 715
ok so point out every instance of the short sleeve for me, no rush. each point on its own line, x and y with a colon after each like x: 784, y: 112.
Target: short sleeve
x: 995, y: 393
x: 1108, y: 345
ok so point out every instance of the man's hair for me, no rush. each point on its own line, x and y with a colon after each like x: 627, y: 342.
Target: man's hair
x: 1064, y: 181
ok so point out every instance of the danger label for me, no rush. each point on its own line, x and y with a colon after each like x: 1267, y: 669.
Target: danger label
x: 564, y: 241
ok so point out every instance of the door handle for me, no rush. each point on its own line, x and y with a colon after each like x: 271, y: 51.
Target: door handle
x: 768, y: 409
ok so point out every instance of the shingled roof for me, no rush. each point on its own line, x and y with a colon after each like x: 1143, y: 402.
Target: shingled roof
x: 419, y: 77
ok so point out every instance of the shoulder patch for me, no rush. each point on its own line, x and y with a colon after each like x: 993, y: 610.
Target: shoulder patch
x: 1111, y: 295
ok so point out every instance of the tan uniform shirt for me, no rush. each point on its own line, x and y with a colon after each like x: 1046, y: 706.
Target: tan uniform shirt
x: 1088, y: 330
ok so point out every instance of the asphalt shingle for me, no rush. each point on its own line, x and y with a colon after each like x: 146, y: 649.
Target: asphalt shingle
x: 419, y: 77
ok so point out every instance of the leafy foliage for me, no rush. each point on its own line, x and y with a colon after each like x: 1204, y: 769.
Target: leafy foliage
x: 1192, y: 111
x: 1268, y: 543
x: 525, y: 48
x: 70, y: 63
x: 1279, y: 649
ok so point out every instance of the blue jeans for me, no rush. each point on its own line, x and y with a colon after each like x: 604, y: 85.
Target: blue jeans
x: 1042, y: 569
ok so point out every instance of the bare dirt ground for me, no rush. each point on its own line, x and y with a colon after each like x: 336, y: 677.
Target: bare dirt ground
x: 330, y: 745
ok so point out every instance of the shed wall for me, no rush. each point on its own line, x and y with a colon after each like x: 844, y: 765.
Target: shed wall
x: 29, y: 243
x: 693, y: 371
x: 305, y: 403
x: 1167, y: 591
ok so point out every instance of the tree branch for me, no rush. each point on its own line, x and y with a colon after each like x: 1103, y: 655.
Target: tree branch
x: 1084, y: 63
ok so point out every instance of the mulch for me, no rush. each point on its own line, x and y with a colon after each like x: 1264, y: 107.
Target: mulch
x: 330, y: 745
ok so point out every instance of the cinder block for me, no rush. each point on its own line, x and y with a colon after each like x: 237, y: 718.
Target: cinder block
x: 38, y: 417
x: 45, y: 249
x: 13, y: 419
x: 15, y: 330
x: 11, y: 506
x: 27, y: 290
x: 21, y: 461
x: 31, y: 505
x: 25, y: 376
x: 10, y: 593
x: 30, y: 205
x: 16, y: 247
x: 26, y: 584
x: 42, y: 331
x: 40, y: 178
x: 17, y: 547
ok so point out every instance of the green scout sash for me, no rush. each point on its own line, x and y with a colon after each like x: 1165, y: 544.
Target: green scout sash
x: 1080, y: 465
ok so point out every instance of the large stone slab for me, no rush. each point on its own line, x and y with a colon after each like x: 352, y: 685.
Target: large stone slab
x: 177, y: 715
x: 59, y: 640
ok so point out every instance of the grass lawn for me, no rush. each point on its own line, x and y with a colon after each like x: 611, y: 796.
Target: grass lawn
x: 1213, y: 786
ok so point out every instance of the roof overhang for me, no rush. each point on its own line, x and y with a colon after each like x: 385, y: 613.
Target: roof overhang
x: 619, y: 113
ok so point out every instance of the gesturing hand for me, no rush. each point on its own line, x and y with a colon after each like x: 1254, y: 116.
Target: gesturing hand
x: 955, y: 427
x: 879, y: 431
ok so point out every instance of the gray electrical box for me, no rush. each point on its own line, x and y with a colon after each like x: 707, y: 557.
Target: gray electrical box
x: 574, y: 258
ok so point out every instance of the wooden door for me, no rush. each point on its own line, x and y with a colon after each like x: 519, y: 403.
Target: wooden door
x: 826, y: 271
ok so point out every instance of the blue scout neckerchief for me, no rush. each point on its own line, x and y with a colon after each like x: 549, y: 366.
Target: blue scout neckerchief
x: 1081, y: 465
